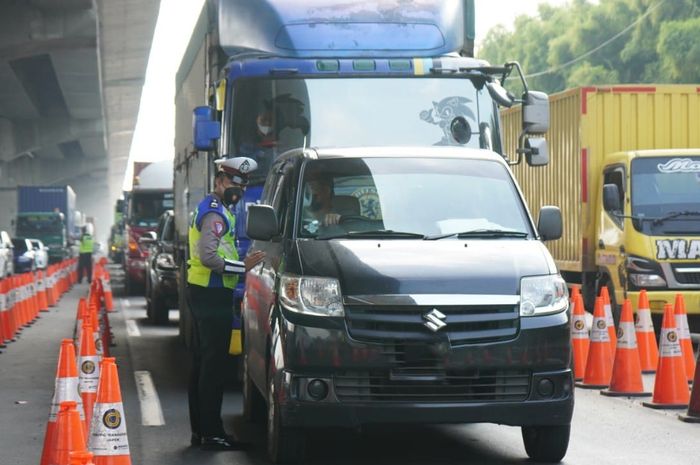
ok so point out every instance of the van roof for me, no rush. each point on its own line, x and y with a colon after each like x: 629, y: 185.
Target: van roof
x: 396, y: 152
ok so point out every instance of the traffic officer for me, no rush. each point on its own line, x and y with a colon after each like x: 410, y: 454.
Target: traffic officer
x: 213, y: 272
x: 85, y: 258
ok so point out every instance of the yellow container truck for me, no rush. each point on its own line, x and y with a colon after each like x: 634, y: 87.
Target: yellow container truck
x: 625, y: 170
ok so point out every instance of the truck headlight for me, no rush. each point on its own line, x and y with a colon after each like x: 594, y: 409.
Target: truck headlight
x: 646, y: 280
x: 165, y: 261
x: 311, y: 295
x: 644, y: 273
x: 543, y: 295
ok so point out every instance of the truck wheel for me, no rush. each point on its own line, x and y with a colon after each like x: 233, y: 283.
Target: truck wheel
x: 253, y: 402
x: 546, y: 443
x: 284, y: 444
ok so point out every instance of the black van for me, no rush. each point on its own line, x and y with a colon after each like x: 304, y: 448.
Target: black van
x: 404, y: 285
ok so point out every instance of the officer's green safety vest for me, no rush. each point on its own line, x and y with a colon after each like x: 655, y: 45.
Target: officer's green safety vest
x: 197, y: 273
x: 86, y: 244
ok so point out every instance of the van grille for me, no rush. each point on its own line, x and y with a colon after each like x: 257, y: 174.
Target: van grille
x: 464, y: 324
x: 431, y: 384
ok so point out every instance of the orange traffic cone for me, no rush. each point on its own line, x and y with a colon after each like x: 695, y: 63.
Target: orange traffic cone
x: 108, y: 439
x: 693, y: 414
x: 70, y: 433
x: 66, y: 390
x: 599, y: 361
x: 627, y: 372
x: 609, y: 320
x: 41, y: 287
x: 684, y: 337
x: 89, y: 367
x: 107, y: 290
x: 670, y: 385
x: 81, y: 458
x: 646, y: 340
x: 579, y: 337
x: 5, y: 309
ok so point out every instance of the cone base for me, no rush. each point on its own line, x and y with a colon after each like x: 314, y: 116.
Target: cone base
x: 689, y: 418
x: 611, y: 393
x: 591, y: 386
x: 658, y: 406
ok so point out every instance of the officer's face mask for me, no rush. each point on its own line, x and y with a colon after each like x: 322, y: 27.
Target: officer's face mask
x: 232, y: 195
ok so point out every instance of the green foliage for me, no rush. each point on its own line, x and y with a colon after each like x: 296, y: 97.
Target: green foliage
x: 608, y: 42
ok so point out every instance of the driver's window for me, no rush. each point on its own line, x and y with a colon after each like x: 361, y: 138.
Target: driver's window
x: 616, y: 176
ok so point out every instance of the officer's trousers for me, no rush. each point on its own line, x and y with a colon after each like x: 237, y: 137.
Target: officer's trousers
x: 85, y: 267
x: 212, y: 314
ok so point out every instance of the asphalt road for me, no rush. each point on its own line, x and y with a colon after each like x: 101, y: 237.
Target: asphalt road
x: 604, y: 431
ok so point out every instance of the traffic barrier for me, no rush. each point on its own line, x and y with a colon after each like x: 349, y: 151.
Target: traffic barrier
x: 579, y: 337
x: 108, y: 438
x: 41, y: 291
x: 81, y: 458
x: 89, y: 370
x: 81, y: 313
x: 693, y: 414
x: 33, y: 296
x: 70, y: 433
x: 670, y: 385
x: 646, y: 338
x: 598, y: 363
x: 684, y: 337
x: 609, y: 320
x: 107, y: 290
x: 5, y: 329
x: 66, y: 389
x: 50, y: 284
x: 14, y: 309
x: 627, y: 372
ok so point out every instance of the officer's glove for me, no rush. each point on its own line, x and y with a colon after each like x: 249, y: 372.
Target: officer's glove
x: 234, y: 267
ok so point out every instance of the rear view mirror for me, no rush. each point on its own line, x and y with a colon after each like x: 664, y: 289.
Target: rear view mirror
x: 261, y: 223
x: 499, y: 94
x: 611, y: 198
x: 550, y: 224
x: 535, y: 112
x: 205, y: 128
x: 536, y: 151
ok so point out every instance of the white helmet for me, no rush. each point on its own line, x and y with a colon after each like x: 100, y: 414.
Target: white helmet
x: 238, y: 168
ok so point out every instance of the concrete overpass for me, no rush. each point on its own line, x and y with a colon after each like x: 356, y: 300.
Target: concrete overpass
x: 71, y: 74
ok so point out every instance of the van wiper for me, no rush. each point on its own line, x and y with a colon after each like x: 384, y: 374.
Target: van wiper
x: 377, y: 233
x: 672, y: 215
x: 488, y: 233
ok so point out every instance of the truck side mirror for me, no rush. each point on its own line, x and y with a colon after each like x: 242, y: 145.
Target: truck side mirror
x: 536, y: 151
x: 261, y: 223
x: 611, y: 198
x: 500, y: 95
x: 550, y: 224
x: 205, y: 128
x: 535, y: 112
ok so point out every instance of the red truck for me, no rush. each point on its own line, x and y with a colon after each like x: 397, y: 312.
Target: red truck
x: 151, y: 195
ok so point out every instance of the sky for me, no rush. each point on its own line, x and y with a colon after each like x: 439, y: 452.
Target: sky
x: 154, y: 133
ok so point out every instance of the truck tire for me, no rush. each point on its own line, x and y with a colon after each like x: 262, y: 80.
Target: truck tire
x: 284, y: 444
x: 253, y: 402
x: 546, y: 443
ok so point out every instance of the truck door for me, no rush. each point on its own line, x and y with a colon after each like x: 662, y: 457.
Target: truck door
x: 610, y: 255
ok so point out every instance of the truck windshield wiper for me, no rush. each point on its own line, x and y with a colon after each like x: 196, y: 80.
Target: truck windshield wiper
x: 377, y: 233
x: 672, y: 215
x: 489, y: 233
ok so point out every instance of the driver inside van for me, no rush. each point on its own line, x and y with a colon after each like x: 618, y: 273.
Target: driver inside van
x: 326, y: 208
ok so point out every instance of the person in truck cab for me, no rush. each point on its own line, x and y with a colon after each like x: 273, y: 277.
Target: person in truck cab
x: 213, y: 272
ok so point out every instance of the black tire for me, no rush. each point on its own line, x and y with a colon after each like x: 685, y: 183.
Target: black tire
x: 284, y: 444
x: 253, y: 401
x: 546, y: 443
x: 160, y: 313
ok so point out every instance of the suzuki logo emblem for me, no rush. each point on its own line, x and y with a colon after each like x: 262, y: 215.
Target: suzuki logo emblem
x: 434, y: 320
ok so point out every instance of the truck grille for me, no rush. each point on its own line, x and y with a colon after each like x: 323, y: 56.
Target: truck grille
x: 684, y: 277
x: 430, y: 384
x: 464, y: 324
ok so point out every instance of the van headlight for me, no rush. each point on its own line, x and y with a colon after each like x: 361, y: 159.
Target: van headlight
x: 543, y: 295
x: 311, y: 295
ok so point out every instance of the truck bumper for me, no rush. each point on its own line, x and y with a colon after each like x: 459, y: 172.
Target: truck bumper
x: 657, y: 300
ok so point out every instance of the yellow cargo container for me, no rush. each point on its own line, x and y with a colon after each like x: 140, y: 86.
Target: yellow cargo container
x: 602, y: 135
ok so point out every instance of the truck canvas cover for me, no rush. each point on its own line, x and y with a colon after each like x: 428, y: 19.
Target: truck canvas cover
x: 336, y: 28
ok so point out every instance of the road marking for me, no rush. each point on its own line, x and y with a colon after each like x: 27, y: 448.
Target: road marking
x: 132, y: 329
x: 151, y: 412
x: 126, y: 302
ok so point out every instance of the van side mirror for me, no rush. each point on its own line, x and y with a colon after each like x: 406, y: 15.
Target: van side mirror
x: 206, y: 129
x: 550, y: 224
x: 535, y: 112
x: 611, y: 198
x: 148, y: 238
x: 261, y: 223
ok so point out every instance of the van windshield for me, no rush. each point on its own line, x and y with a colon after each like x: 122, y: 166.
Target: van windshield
x: 409, y: 196
x: 271, y: 116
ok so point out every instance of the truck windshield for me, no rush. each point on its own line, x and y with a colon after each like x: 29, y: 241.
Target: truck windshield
x: 271, y: 116
x: 668, y: 190
x: 410, y: 198
x: 39, y: 225
x: 146, y: 207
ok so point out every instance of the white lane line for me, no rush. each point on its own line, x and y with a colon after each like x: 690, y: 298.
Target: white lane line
x: 151, y: 412
x: 132, y: 329
x: 126, y: 302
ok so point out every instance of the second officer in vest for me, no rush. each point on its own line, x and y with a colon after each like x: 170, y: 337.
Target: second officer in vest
x: 213, y: 272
